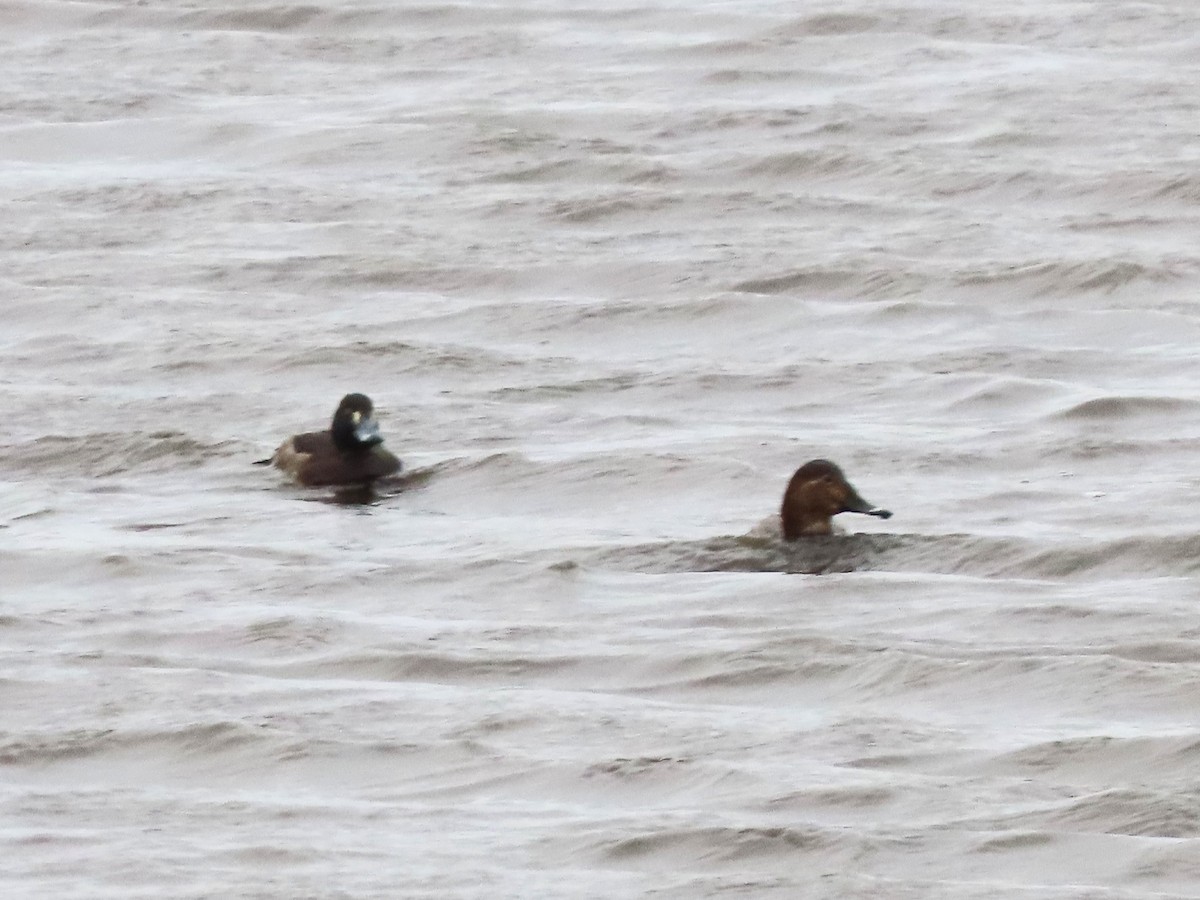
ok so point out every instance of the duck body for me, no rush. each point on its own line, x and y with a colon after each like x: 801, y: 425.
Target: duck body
x: 817, y: 492
x: 351, y: 452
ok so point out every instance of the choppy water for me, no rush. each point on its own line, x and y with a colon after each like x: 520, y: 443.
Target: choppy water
x: 611, y: 272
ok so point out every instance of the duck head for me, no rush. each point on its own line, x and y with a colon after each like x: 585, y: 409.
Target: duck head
x: 354, y: 427
x: 818, y: 492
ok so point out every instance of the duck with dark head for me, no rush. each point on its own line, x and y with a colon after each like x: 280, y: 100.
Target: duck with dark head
x: 818, y: 492
x: 350, y: 453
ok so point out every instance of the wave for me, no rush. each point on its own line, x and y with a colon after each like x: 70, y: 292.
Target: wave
x: 950, y: 554
x: 579, y: 168
x: 111, y: 453
x: 861, y: 280
x: 726, y: 844
x: 1184, y: 189
x: 1103, y: 409
x: 585, y: 210
x: 200, y: 740
x: 1119, y: 811
x: 401, y: 356
x: 1071, y: 277
x: 811, y: 163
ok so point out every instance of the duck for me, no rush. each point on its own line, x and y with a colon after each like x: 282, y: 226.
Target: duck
x: 816, y: 493
x: 351, y: 452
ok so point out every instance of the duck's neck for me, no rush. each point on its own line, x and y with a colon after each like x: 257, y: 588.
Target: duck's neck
x: 806, y: 511
x: 344, y: 438
x: 806, y: 525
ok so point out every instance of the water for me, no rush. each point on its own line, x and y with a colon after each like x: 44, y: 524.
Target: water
x: 611, y: 273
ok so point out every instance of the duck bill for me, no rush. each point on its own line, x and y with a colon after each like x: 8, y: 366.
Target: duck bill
x: 367, y: 433
x: 855, y: 503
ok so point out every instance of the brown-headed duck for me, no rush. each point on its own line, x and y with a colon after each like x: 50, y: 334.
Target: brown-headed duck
x: 351, y: 452
x: 818, y: 492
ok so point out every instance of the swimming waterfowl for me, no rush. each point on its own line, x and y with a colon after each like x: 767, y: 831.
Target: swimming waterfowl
x: 818, y: 492
x: 351, y: 452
